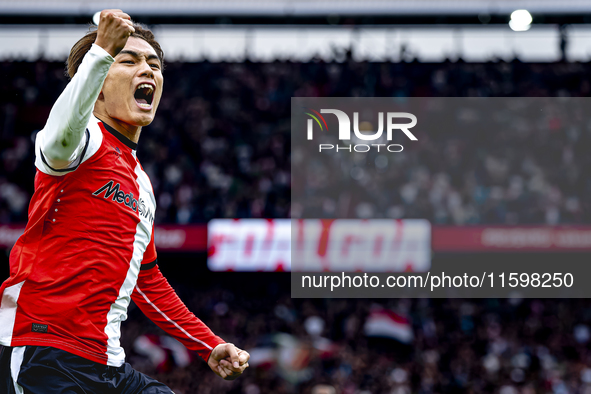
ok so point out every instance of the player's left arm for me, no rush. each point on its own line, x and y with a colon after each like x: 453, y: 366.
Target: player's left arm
x: 160, y: 303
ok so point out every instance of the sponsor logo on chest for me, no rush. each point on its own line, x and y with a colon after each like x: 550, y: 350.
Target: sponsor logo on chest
x: 119, y: 196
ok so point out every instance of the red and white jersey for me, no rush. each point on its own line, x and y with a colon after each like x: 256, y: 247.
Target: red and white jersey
x: 88, y: 247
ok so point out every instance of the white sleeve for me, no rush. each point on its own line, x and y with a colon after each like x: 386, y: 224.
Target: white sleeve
x: 65, y: 140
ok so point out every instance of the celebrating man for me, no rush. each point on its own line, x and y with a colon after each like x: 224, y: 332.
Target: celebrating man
x: 88, y: 247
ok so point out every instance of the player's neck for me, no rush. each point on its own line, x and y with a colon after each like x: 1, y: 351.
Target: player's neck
x: 129, y: 131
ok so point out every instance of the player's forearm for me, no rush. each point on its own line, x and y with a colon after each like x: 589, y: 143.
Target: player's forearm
x: 159, y: 302
x: 61, y: 136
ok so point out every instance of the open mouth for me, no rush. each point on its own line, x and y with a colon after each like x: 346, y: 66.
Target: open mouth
x: 144, y: 94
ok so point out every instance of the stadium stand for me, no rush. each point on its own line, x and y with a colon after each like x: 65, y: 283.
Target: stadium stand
x: 220, y: 144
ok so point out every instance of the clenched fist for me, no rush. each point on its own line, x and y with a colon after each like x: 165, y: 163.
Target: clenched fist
x: 114, y: 28
x: 228, y: 361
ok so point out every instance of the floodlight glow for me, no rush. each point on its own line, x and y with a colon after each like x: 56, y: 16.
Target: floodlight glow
x: 523, y: 17
x: 520, y: 20
x: 96, y: 18
x: 517, y: 27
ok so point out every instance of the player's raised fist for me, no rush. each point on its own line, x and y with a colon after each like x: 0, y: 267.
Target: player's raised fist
x: 114, y: 28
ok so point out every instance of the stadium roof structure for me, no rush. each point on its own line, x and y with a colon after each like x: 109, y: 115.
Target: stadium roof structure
x: 299, y: 11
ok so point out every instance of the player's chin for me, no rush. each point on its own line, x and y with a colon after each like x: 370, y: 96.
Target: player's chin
x: 145, y: 121
x: 143, y: 118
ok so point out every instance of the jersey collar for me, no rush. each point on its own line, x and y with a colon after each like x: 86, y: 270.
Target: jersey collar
x: 120, y: 136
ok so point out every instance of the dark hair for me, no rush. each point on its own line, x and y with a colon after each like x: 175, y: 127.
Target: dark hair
x: 83, y: 46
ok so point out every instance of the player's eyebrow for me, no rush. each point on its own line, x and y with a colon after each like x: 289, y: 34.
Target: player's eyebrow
x: 137, y: 55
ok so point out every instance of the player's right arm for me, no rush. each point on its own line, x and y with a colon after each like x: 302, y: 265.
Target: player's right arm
x: 63, y: 140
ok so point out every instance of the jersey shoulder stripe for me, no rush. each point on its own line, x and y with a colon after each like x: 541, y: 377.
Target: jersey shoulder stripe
x: 88, y: 146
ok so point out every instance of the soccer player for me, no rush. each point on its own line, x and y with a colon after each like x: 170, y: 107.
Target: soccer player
x: 88, y: 247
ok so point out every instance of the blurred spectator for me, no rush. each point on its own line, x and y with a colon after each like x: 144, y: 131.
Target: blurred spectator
x: 323, y: 389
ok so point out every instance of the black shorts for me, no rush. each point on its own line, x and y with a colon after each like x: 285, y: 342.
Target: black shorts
x: 42, y: 369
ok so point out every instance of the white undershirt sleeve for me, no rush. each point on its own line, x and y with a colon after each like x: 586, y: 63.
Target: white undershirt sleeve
x: 65, y: 140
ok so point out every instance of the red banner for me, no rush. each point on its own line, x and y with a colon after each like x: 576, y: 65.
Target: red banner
x: 167, y: 238
x: 193, y: 238
x: 377, y: 245
x: 181, y: 238
x: 505, y: 239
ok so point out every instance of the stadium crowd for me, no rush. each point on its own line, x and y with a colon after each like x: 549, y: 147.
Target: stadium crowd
x: 509, y: 346
x: 220, y: 143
